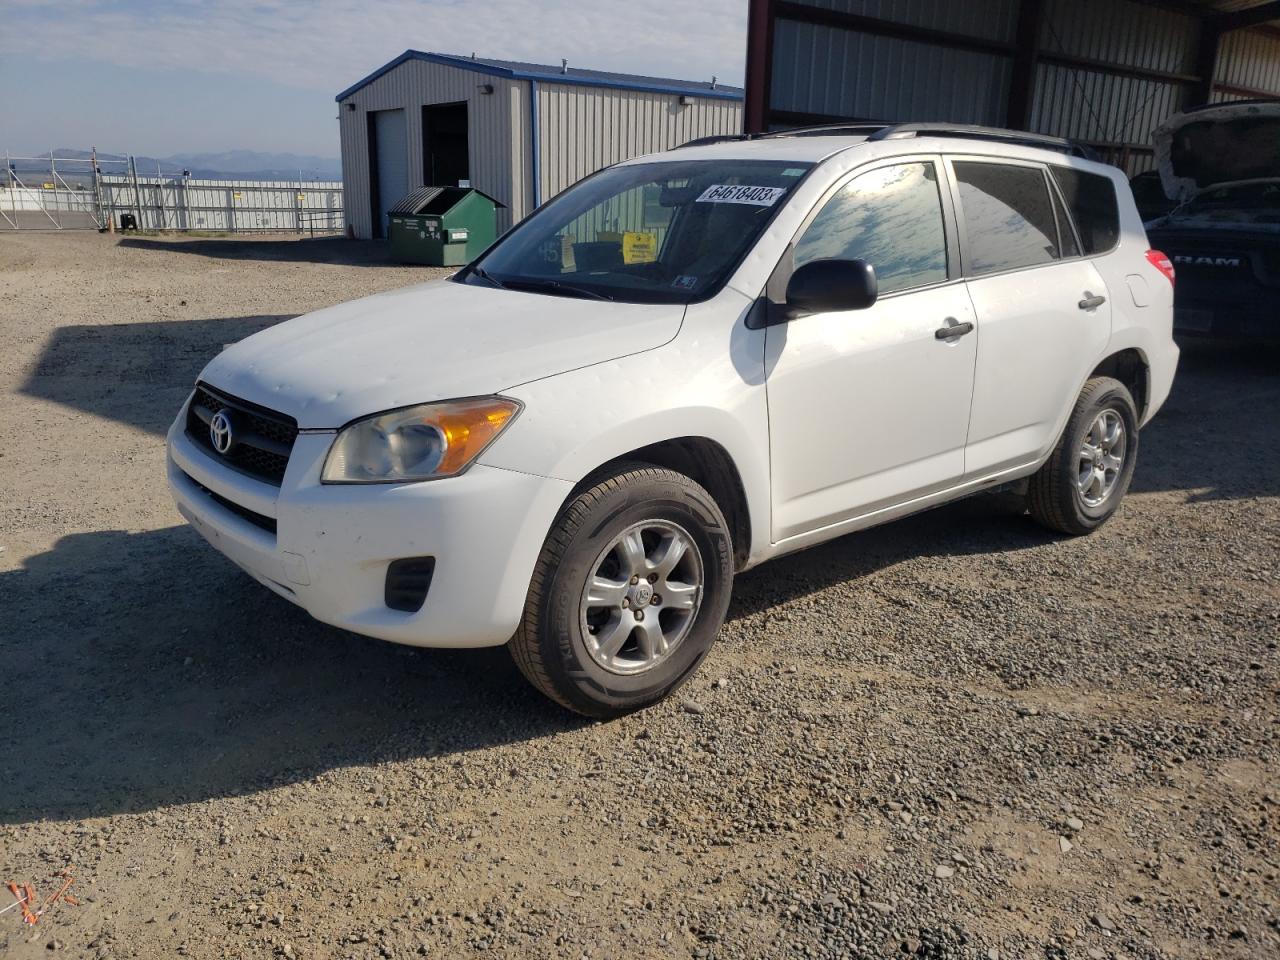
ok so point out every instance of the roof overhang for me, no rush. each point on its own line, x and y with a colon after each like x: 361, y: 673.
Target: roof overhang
x: 639, y: 84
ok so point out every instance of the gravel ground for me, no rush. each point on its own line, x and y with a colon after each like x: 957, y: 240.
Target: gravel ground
x: 952, y: 737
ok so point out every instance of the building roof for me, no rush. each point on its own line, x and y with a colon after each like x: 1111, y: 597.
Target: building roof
x: 514, y: 70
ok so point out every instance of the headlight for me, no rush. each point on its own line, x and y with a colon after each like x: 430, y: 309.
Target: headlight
x: 417, y: 443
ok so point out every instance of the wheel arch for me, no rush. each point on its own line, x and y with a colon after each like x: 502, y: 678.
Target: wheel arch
x: 707, y: 463
x: 1131, y: 367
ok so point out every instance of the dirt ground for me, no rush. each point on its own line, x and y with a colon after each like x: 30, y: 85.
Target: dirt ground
x: 953, y: 737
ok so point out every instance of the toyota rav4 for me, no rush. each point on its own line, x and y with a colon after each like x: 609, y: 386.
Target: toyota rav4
x: 681, y: 367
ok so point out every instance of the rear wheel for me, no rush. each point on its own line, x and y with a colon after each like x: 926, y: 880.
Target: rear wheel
x: 628, y: 594
x: 1082, y: 483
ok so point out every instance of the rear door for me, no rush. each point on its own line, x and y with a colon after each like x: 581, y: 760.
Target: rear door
x: 1044, y: 314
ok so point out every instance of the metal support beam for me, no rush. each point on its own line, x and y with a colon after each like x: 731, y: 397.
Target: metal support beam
x: 760, y: 18
x: 1206, y: 65
x: 1249, y: 17
x: 1022, y: 82
x: 1118, y: 69
x: 802, y: 13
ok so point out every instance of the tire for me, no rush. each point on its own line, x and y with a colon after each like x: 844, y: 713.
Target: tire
x: 564, y: 642
x: 1059, y: 496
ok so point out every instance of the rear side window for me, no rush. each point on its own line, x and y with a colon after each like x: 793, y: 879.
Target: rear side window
x: 1008, y: 216
x: 1092, y: 200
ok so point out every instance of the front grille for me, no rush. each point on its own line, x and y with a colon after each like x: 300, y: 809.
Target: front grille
x: 257, y: 519
x: 263, y: 439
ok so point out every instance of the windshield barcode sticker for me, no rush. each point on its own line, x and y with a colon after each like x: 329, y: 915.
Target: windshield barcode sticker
x: 736, y: 193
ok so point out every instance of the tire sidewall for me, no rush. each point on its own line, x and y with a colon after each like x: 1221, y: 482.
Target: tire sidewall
x: 592, y: 688
x: 1115, y: 397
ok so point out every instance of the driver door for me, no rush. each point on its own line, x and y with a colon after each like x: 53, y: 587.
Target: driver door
x: 870, y: 408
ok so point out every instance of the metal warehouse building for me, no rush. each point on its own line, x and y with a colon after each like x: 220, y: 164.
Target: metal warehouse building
x: 521, y: 132
x: 1105, y: 72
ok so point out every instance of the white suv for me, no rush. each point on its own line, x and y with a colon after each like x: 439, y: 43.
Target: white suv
x: 681, y: 367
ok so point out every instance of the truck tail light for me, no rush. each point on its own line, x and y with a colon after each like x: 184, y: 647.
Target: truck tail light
x: 1162, y: 263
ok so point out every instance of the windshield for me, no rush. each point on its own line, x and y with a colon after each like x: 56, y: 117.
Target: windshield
x: 669, y: 232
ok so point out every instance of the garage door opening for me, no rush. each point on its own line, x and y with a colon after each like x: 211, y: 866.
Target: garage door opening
x: 388, y: 164
x: 445, y: 160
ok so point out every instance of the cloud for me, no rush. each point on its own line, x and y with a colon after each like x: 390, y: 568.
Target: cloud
x: 325, y: 45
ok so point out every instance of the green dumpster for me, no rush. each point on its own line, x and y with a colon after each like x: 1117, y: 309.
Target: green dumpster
x: 443, y: 226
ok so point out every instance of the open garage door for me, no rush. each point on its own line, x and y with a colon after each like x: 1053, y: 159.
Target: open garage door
x: 389, y: 163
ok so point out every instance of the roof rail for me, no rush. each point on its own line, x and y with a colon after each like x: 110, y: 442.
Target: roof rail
x: 902, y: 131
x: 857, y: 128
x: 722, y: 138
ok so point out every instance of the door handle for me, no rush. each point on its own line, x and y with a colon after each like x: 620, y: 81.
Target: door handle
x: 952, y: 330
x: 1091, y: 302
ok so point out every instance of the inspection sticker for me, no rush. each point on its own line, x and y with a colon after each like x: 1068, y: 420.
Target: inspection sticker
x: 740, y: 193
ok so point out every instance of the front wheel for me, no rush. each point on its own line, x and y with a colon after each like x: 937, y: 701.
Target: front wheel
x: 1082, y: 483
x: 627, y: 596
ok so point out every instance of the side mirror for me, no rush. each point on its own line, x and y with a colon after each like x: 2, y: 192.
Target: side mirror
x: 829, y: 286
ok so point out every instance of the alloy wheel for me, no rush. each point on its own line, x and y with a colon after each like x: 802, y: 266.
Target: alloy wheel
x: 1101, y: 458
x: 642, y: 597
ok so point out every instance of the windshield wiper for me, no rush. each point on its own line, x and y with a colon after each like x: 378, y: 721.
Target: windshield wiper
x: 485, y: 275
x: 532, y: 283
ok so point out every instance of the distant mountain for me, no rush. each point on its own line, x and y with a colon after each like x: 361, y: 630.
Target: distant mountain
x: 231, y: 165
x: 250, y: 164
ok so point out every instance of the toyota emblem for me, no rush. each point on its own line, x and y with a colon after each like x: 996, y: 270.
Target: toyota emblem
x: 220, y: 434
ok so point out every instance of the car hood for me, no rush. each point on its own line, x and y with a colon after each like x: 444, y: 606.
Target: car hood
x: 433, y: 341
x: 1229, y: 143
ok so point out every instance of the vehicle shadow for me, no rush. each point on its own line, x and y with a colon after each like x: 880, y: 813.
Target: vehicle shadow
x: 331, y: 250
x: 979, y: 525
x: 1218, y: 435
x: 150, y: 671
x: 134, y: 373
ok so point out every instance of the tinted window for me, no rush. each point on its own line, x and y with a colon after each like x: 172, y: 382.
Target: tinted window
x: 1008, y: 216
x: 891, y: 218
x: 1092, y: 200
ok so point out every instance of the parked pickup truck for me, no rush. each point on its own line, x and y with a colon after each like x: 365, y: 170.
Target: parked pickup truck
x: 683, y: 366
x: 1222, y: 166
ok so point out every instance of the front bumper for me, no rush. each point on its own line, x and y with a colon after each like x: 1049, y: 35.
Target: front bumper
x: 333, y: 543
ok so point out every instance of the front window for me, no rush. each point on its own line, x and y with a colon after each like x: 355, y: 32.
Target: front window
x: 890, y: 217
x: 667, y: 232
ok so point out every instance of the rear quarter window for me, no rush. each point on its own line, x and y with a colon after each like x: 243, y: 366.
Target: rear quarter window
x: 1091, y: 199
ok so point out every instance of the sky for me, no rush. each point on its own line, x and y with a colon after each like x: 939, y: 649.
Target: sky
x: 160, y: 77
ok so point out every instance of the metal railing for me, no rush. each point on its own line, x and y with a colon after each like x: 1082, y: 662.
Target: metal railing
x: 61, y: 193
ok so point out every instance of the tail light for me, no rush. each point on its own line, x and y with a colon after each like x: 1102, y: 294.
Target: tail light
x: 1161, y: 263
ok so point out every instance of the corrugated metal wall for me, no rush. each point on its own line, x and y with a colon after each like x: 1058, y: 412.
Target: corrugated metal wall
x: 412, y: 85
x: 581, y: 129
x: 1123, y: 32
x: 822, y: 69
x: 991, y: 19
x: 1083, y: 103
x: 818, y: 69
x: 1250, y: 58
